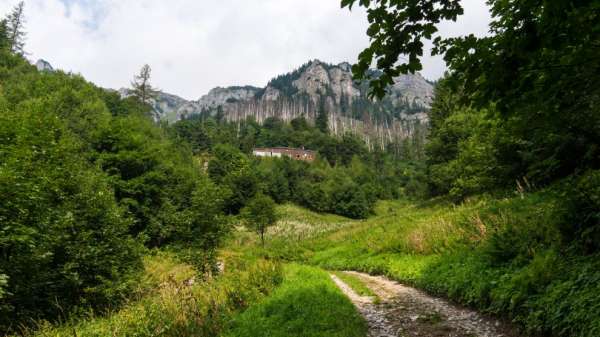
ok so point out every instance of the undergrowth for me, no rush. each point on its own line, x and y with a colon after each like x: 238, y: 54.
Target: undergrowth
x: 173, y: 301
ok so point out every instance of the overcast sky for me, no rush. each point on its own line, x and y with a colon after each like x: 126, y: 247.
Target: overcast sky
x: 195, y: 45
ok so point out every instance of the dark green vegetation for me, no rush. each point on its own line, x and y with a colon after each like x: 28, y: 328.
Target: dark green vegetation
x: 528, y: 84
x: 306, y: 304
x: 346, y: 179
x: 171, y: 301
x: 87, y: 180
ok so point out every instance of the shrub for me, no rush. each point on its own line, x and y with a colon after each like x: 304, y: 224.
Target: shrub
x: 352, y: 200
x: 260, y: 214
x: 64, y: 239
x: 583, y: 226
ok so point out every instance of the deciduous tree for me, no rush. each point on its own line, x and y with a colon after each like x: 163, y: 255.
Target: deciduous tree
x: 260, y: 214
x: 537, y: 67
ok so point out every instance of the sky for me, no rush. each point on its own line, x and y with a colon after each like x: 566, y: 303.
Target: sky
x: 196, y: 45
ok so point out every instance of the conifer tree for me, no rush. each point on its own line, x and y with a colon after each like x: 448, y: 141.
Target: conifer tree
x: 3, y: 35
x: 142, y: 89
x: 14, y: 29
x: 322, y: 121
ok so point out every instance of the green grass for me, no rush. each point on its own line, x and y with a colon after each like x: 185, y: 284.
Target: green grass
x: 356, y: 284
x: 306, y: 304
x: 503, y: 256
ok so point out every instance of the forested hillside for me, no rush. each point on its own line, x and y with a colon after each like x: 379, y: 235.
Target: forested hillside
x: 345, y: 179
x: 87, y: 181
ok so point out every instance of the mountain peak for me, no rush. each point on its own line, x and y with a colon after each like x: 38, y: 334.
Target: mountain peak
x: 43, y: 65
x: 318, y: 86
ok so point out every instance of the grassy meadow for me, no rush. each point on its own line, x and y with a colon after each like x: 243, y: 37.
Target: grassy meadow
x: 172, y: 301
x: 502, y: 256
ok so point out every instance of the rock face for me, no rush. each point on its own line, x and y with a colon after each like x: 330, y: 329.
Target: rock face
x: 43, y: 65
x: 313, y: 88
x: 222, y: 96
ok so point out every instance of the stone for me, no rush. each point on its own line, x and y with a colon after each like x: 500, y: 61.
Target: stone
x: 43, y: 65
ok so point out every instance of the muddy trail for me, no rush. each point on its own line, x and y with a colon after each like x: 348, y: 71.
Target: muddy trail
x: 403, y: 311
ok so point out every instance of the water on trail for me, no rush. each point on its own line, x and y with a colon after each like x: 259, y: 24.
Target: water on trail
x: 407, y: 312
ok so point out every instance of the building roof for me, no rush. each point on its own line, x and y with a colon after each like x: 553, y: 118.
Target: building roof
x: 283, y: 149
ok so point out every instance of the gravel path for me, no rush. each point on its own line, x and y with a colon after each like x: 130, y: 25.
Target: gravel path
x: 408, y: 312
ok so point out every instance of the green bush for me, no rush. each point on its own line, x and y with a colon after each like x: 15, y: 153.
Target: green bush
x: 83, y: 174
x: 64, y: 239
x: 352, y: 200
x: 464, y: 154
x: 583, y: 226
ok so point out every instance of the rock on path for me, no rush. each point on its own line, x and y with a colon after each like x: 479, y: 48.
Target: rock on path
x: 407, y: 312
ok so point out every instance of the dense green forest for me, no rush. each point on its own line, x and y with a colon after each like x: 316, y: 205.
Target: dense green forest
x: 113, y: 224
x: 88, y: 182
x: 346, y: 178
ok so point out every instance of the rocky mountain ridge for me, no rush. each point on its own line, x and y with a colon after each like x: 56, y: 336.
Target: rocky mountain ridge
x: 43, y: 65
x: 316, y: 87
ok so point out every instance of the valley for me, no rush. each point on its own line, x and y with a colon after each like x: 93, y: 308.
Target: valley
x: 337, y: 200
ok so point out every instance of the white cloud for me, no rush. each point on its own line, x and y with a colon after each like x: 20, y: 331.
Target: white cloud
x: 194, y: 45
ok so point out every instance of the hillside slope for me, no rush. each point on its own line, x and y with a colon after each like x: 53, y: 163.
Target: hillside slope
x: 499, y: 256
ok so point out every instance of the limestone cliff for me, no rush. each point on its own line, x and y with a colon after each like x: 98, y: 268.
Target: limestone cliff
x: 315, y: 87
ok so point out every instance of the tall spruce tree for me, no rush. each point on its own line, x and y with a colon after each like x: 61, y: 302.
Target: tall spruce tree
x: 322, y: 121
x: 142, y: 89
x: 3, y: 35
x: 14, y: 29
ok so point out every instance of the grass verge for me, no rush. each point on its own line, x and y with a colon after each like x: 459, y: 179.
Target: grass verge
x: 356, y: 284
x: 307, y: 304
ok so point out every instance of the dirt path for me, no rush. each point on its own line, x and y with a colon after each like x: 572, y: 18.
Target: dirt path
x: 379, y: 326
x: 407, y: 312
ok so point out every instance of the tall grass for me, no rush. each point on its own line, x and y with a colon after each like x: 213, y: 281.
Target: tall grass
x: 174, y: 302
